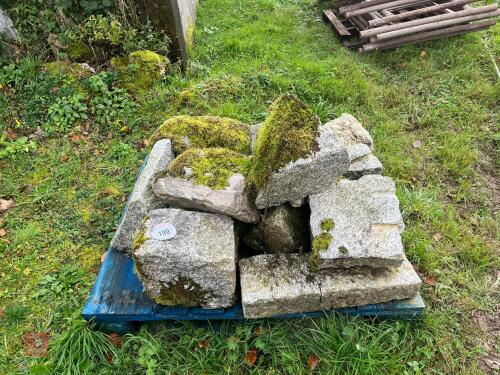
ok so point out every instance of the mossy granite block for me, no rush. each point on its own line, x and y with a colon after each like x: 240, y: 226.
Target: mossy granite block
x: 142, y: 198
x: 305, y: 176
x: 366, y: 223
x: 205, y: 131
x: 283, y: 284
x: 197, y: 267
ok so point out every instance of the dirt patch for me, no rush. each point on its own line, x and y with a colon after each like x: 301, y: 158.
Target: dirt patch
x: 489, y: 324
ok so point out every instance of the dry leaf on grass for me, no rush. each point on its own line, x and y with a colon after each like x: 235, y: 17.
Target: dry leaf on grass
x: 1, y: 313
x: 251, y: 357
x: 75, y: 138
x: 115, y: 339
x: 36, y: 344
x: 2, y: 232
x: 431, y: 281
x: 6, y: 204
x: 64, y: 158
x: 203, y: 344
x: 312, y: 362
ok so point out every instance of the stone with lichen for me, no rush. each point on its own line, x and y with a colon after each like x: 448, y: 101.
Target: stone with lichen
x: 210, y: 179
x: 283, y: 230
x: 283, y: 284
x: 205, y: 131
x: 364, y: 224
x: 197, y: 267
x: 140, y: 70
x: 142, y: 198
x: 293, y: 155
x: 359, y: 145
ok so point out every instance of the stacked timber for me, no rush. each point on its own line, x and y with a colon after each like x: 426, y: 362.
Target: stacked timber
x: 382, y: 24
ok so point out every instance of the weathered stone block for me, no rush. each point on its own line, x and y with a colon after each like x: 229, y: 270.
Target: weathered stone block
x: 232, y: 201
x: 273, y: 284
x: 307, y: 176
x: 363, y: 223
x: 359, y: 146
x: 197, y: 267
x: 284, y: 230
x: 282, y: 284
x: 142, y: 198
x: 363, y: 286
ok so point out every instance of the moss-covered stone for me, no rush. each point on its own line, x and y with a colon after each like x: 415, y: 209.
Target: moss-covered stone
x: 140, y: 70
x: 288, y: 133
x: 78, y: 51
x: 72, y: 72
x: 211, y: 167
x: 204, y: 131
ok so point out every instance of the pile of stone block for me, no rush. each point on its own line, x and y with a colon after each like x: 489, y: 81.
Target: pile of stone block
x: 323, y: 233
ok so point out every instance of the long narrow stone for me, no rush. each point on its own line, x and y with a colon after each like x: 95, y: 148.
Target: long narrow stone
x: 142, y: 198
x: 360, y: 223
x: 282, y: 284
x: 232, y: 201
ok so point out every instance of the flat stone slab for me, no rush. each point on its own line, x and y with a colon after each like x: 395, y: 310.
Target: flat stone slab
x: 197, y: 267
x: 366, y: 220
x: 142, y: 199
x: 311, y: 175
x: 282, y: 284
x: 233, y: 201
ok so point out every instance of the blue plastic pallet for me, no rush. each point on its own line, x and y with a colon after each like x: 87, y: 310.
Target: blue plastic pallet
x: 117, y: 301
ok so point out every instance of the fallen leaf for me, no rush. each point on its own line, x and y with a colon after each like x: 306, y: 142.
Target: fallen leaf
x: 417, y: 144
x: 64, y: 158
x: 258, y: 331
x: 2, y: 232
x: 431, y: 281
x: 312, y: 362
x: 251, y: 357
x: 203, y: 344
x: 6, y: 204
x: 75, y: 138
x: 115, y: 339
x: 36, y: 344
x: 437, y: 237
x: 145, y: 143
x: 10, y: 134
x: 493, y: 363
x: 1, y: 313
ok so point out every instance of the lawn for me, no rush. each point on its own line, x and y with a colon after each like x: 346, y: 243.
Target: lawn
x: 433, y: 110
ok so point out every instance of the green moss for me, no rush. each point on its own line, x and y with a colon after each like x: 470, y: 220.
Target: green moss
x: 320, y: 243
x: 204, y: 131
x: 182, y: 292
x: 327, y: 225
x: 211, y: 167
x: 288, y: 133
x: 72, y: 72
x: 139, y: 238
x: 78, y: 51
x: 343, y: 250
x: 140, y: 70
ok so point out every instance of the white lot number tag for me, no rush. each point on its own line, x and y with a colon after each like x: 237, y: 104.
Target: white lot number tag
x: 163, y: 232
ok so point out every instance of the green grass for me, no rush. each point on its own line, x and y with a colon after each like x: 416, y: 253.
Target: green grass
x: 445, y: 94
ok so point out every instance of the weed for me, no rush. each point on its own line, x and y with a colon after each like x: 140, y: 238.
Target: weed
x: 65, y: 113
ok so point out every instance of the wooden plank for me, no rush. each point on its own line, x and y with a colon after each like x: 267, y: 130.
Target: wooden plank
x: 341, y: 29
